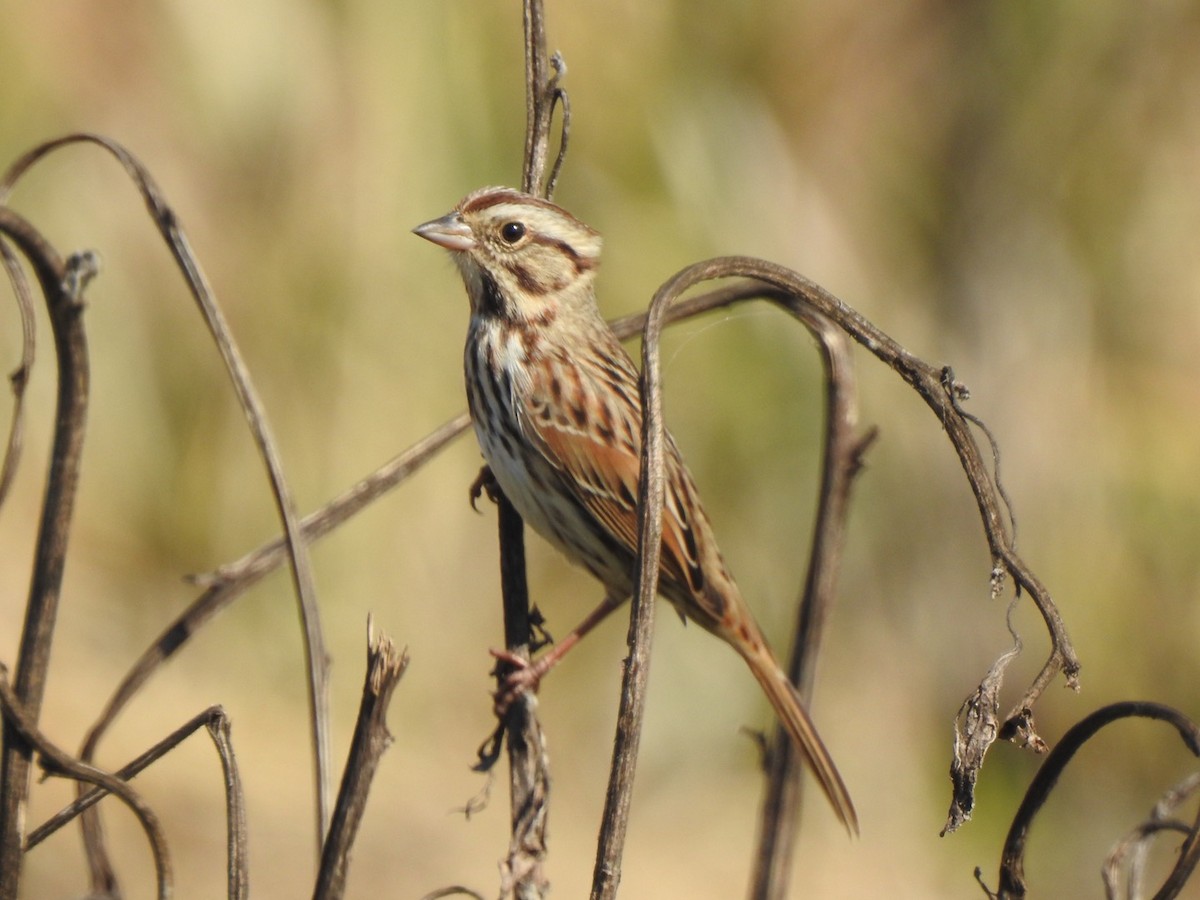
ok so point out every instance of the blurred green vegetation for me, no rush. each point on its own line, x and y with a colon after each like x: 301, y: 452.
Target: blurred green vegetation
x: 1013, y: 189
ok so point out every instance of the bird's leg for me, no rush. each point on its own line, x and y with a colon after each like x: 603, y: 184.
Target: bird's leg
x: 526, y: 675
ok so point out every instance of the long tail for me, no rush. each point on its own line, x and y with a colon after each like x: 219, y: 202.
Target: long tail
x: 790, y: 709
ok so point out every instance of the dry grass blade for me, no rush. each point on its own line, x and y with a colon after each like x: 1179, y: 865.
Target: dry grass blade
x: 317, y: 663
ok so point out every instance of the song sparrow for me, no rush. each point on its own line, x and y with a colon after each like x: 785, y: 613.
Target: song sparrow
x: 554, y: 400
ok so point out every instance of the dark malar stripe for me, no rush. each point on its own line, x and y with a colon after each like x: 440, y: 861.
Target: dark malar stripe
x: 491, y: 304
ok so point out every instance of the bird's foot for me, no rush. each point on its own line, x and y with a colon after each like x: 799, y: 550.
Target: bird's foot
x: 523, y: 676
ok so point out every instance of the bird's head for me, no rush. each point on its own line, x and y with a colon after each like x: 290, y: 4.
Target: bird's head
x: 522, y: 258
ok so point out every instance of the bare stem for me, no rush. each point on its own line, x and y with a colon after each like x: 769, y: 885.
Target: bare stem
x: 63, y: 295
x: 385, y: 668
x: 528, y: 763
x: 841, y: 462
x: 606, y: 877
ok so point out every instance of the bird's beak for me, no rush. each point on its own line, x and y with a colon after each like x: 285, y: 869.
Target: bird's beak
x: 450, y: 231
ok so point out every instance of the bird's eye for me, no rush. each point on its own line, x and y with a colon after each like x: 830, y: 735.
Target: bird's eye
x: 512, y: 232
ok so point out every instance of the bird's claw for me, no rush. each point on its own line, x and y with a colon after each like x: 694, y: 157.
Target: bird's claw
x: 484, y: 483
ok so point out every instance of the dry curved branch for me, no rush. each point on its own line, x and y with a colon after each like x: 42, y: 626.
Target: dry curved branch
x: 317, y: 663
x: 940, y: 393
x: 666, y: 307
x: 1130, y: 852
x: 216, y: 722
x: 58, y: 762
x: 1189, y: 858
x: 1012, y: 861
x: 941, y: 396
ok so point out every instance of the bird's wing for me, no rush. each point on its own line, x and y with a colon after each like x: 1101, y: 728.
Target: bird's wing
x: 586, y: 420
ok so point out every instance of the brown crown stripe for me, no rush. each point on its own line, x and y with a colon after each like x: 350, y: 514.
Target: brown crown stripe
x: 490, y: 197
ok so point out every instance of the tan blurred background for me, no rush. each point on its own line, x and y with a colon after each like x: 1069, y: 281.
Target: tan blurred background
x: 1013, y: 189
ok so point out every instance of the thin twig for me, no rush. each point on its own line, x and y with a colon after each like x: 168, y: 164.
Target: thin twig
x: 559, y: 98
x: 1131, y: 851
x: 539, y: 105
x: 233, y: 579
x: 522, y: 875
x: 126, y: 773
x: 236, y: 856
x: 216, y: 722
x: 18, y: 379
x: 1185, y: 865
x: 385, y: 668
x: 61, y: 285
